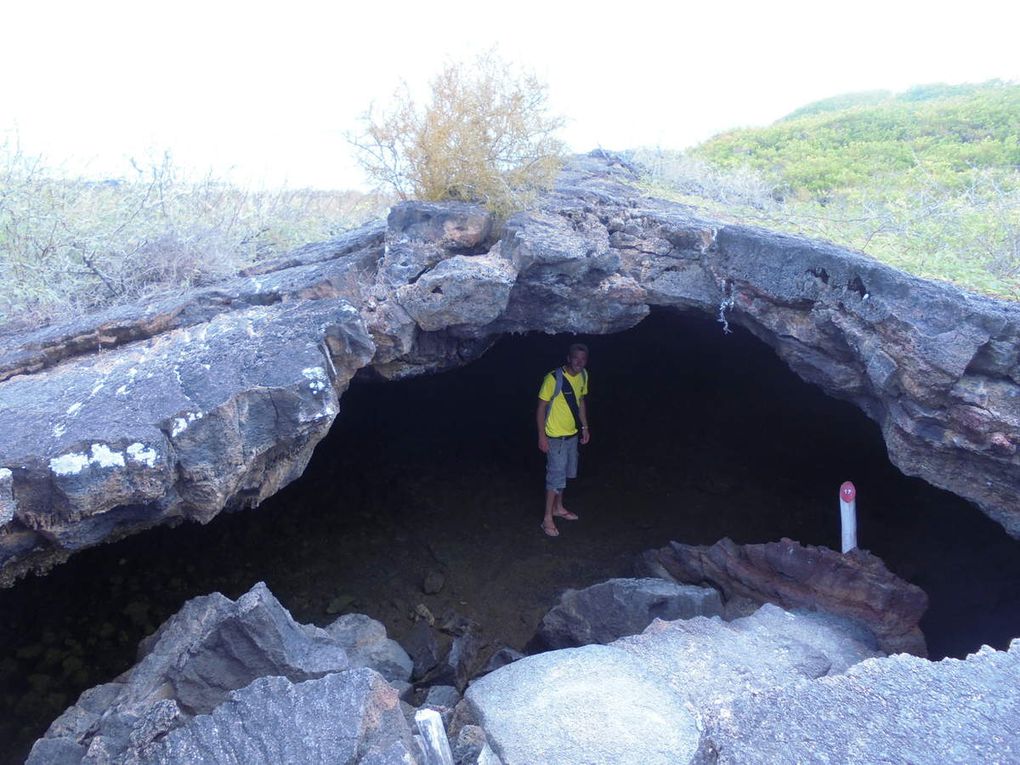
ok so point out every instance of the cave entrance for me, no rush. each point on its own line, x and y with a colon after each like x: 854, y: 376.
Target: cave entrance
x: 696, y: 435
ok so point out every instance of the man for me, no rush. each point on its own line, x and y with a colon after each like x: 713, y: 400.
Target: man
x: 561, y: 415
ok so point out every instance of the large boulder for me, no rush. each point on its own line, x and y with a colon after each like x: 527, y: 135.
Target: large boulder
x: 708, y: 660
x: 771, y: 687
x: 855, y: 585
x: 900, y: 709
x: 193, y: 665
x: 346, y: 718
x: 618, y: 607
x: 594, y: 704
x: 216, y: 415
x: 366, y: 644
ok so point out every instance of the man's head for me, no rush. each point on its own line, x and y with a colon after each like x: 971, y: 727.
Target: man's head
x: 577, y: 357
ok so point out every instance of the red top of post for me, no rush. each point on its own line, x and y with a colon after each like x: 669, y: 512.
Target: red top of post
x: 847, y: 492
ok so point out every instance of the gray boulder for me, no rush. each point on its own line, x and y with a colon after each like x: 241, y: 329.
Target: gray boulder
x: 708, y: 660
x: 595, y: 704
x: 609, y: 610
x: 365, y: 642
x: 855, y: 585
x: 459, y: 292
x: 181, y: 425
x: 900, y: 709
x: 189, y: 667
x: 340, y: 719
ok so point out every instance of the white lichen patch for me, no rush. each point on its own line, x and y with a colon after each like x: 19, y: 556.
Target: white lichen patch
x: 73, y: 408
x: 105, y: 457
x: 317, y: 378
x: 59, y: 430
x: 73, y: 463
x: 139, y: 453
x: 122, y: 390
x: 69, y: 464
x: 181, y: 423
x: 96, y: 388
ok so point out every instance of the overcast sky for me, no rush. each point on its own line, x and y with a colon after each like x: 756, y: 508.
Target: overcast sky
x: 264, y: 92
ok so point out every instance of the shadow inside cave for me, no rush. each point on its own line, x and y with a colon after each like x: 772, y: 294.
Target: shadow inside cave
x: 696, y: 435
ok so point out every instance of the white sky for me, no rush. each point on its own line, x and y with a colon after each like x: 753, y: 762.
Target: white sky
x: 264, y: 92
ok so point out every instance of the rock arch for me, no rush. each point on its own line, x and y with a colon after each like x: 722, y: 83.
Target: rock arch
x: 180, y: 408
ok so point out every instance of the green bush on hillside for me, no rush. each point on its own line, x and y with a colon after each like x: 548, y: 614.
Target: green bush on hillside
x: 928, y: 181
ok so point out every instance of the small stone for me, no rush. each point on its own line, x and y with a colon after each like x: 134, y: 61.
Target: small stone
x: 421, y: 646
x: 500, y: 658
x: 469, y: 744
x: 434, y: 581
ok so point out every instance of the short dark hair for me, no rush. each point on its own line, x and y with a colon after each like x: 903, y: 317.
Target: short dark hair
x: 577, y: 347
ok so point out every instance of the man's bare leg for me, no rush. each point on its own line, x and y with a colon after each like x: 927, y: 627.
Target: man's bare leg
x: 560, y: 511
x: 552, y: 500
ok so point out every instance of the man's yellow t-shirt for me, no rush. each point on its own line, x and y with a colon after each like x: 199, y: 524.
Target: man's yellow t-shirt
x: 560, y: 421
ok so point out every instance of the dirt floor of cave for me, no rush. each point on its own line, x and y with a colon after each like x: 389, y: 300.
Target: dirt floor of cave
x: 696, y: 436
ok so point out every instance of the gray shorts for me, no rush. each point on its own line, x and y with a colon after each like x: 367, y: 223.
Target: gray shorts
x: 560, y: 463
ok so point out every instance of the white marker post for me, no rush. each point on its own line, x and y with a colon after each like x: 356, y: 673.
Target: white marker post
x: 848, y: 515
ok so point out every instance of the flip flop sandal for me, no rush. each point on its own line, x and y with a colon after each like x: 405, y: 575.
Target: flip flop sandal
x: 550, y: 532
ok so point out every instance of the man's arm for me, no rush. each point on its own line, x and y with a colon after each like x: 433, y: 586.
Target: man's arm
x: 543, y: 441
x: 582, y: 409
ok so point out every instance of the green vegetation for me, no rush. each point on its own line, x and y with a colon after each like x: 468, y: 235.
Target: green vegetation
x: 69, y: 245
x: 483, y: 135
x: 927, y: 180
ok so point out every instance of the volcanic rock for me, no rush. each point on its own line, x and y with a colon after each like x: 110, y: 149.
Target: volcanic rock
x: 900, y: 709
x: 365, y: 642
x: 182, y: 407
x: 196, y: 664
x: 618, y: 607
x: 855, y: 585
x: 590, y: 704
x: 421, y: 645
x: 346, y: 717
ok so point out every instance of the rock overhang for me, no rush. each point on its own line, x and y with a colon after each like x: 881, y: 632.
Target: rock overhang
x: 216, y: 399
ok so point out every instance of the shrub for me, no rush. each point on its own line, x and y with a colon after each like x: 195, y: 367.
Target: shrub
x: 483, y: 135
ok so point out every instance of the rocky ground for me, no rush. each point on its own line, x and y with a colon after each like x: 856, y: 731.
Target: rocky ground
x: 440, y: 475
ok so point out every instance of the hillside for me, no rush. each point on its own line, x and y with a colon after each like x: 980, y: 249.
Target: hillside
x: 927, y: 180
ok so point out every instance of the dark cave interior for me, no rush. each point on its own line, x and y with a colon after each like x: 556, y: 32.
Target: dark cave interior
x: 696, y: 435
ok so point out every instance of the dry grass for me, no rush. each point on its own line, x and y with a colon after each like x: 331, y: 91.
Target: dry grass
x: 69, y: 245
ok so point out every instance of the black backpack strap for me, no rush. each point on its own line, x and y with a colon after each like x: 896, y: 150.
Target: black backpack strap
x: 571, y: 398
